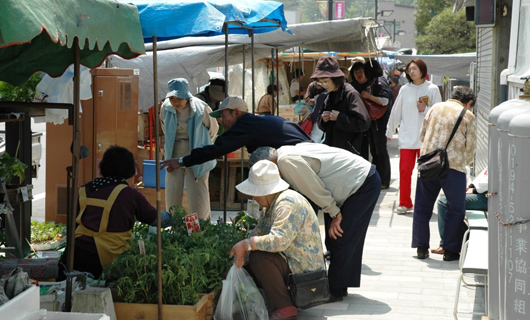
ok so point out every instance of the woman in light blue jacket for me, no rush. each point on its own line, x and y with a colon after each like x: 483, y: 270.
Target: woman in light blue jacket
x: 187, y: 125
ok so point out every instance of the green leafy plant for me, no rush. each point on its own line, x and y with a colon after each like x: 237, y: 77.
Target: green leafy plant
x: 23, y: 93
x: 190, y: 264
x: 11, y: 167
x: 47, y: 231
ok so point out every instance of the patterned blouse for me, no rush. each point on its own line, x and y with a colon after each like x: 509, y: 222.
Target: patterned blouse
x: 290, y: 226
x: 436, y: 130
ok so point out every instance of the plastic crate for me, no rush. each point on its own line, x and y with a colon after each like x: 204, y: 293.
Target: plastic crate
x: 149, y: 175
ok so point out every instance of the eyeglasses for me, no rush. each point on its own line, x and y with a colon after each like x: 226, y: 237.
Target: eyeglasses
x: 324, y: 82
x: 412, y: 69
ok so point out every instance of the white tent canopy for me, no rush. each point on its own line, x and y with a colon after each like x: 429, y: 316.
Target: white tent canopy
x: 191, y: 57
x: 445, y: 65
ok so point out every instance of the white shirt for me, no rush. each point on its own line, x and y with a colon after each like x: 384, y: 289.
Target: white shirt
x: 405, y: 113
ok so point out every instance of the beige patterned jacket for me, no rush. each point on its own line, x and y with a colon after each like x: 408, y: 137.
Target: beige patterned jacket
x: 437, y: 127
x: 290, y: 227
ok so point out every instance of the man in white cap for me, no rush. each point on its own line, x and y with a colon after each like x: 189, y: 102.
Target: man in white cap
x: 241, y: 129
x: 286, y: 238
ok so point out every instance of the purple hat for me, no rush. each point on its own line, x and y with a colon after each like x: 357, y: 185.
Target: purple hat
x: 327, y: 67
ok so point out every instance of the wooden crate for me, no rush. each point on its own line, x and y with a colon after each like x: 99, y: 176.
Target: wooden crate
x: 202, y: 310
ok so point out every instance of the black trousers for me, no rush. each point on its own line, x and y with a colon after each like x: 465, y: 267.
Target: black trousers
x: 347, y: 251
x: 374, y: 141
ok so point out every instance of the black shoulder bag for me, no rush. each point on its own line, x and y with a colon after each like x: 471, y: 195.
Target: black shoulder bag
x: 434, y: 164
x: 309, y: 289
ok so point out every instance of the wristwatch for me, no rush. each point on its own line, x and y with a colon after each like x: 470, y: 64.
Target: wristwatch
x: 249, y: 247
x: 181, y: 162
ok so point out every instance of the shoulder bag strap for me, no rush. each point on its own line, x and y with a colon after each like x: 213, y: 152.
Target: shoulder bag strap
x: 456, y: 126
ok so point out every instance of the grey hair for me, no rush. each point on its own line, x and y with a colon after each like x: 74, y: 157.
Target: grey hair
x: 263, y: 153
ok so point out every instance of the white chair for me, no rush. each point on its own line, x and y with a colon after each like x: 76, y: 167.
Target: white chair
x: 473, y: 262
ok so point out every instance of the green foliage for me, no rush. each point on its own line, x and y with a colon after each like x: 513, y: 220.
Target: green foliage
x: 11, y: 167
x: 47, y: 231
x: 23, y: 93
x: 190, y: 264
x: 448, y: 33
x: 426, y: 11
x: 244, y: 222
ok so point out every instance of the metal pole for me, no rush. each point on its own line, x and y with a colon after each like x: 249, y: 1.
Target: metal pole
x: 330, y: 10
x: 277, y: 84
x: 243, y: 75
x: 375, y: 10
x: 75, y: 167
x: 225, y: 159
x: 251, y: 34
x: 158, y: 191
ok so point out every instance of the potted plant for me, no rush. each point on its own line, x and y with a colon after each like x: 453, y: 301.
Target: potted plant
x: 193, y: 267
x: 10, y: 167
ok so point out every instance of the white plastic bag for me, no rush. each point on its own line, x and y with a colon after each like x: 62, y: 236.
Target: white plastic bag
x: 240, y: 298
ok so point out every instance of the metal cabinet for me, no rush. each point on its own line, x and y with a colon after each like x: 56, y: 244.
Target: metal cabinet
x: 109, y: 118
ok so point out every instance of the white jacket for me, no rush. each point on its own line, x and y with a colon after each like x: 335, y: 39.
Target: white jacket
x: 405, y: 113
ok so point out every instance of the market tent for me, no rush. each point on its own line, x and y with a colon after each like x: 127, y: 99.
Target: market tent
x: 49, y: 36
x: 206, y: 18
x: 190, y: 57
x: 38, y: 35
x: 445, y: 65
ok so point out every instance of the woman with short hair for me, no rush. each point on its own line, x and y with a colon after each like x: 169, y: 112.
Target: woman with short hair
x: 412, y: 103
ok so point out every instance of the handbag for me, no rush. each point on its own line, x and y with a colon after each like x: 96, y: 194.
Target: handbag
x: 375, y: 110
x: 434, y: 164
x: 309, y: 289
x: 306, y: 122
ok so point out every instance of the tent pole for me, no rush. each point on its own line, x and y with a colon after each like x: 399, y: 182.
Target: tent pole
x: 251, y: 34
x: 75, y: 169
x: 277, y: 83
x: 225, y: 158
x: 243, y: 84
x: 158, y: 192
x: 242, y: 149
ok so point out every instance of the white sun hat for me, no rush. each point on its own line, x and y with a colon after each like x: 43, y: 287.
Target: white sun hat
x: 263, y: 179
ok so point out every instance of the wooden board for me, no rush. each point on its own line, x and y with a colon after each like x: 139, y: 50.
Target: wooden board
x: 202, y: 310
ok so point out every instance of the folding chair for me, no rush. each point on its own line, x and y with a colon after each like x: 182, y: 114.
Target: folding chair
x: 473, y: 261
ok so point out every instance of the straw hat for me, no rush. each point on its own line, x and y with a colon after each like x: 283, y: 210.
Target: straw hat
x: 263, y: 179
x: 179, y: 88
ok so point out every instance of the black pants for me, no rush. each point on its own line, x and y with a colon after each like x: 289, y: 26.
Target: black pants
x: 347, y: 251
x: 375, y: 140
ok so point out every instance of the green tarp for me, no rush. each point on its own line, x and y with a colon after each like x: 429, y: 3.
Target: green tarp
x: 38, y: 35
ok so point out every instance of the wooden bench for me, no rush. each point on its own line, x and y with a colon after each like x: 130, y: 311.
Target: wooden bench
x: 473, y: 261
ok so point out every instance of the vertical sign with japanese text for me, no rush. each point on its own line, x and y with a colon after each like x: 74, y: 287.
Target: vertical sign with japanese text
x: 340, y: 9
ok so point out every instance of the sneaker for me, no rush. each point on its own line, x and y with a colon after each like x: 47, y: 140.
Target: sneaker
x: 422, y: 253
x: 403, y: 209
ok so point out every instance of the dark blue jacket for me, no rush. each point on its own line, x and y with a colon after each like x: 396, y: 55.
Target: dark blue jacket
x: 251, y: 131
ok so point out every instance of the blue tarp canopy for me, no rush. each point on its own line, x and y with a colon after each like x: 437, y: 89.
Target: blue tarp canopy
x: 172, y: 19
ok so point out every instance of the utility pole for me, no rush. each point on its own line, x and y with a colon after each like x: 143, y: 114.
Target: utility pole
x: 375, y: 10
x: 330, y: 10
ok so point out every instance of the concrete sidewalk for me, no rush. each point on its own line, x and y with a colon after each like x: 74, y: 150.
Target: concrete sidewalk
x: 394, y: 284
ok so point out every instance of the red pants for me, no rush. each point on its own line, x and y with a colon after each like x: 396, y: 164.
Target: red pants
x: 407, y: 161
